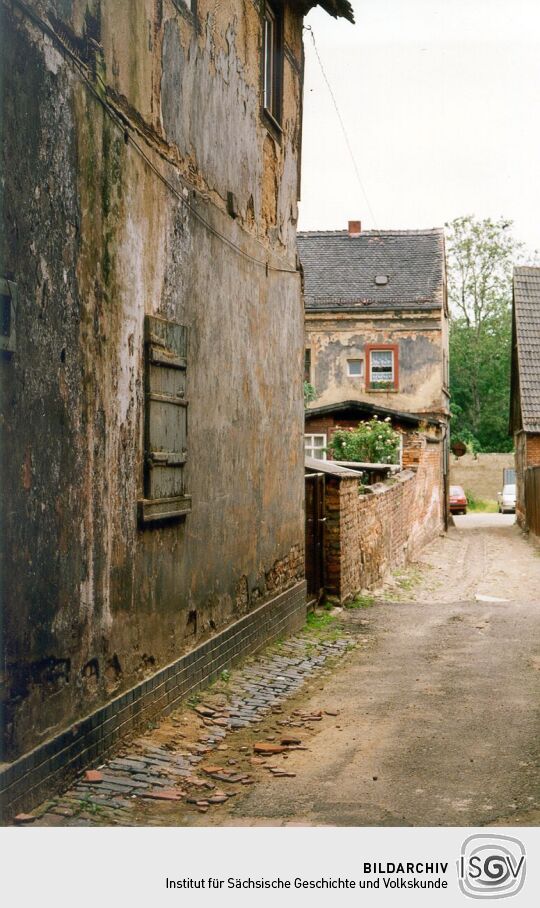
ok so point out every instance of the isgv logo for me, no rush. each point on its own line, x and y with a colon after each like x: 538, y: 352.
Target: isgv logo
x: 491, y: 866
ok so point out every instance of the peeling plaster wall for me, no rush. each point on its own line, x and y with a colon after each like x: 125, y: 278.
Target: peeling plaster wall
x: 94, y: 240
x: 421, y: 338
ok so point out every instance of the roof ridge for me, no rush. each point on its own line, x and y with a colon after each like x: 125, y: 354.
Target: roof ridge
x: 531, y: 270
x: 426, y: 231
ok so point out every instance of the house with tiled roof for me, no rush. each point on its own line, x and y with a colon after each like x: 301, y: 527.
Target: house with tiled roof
x: 525, y: 394
x: 376, y: 326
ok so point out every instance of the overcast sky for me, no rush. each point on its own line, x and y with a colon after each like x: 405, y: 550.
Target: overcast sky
x: 441, y: 101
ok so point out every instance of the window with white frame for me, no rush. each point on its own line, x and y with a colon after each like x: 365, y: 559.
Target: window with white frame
x: 355, y: 368
x: 315, y: 446
x: 382, y: 366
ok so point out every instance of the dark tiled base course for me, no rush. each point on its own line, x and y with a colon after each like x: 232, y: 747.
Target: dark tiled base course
x: 45, y: 770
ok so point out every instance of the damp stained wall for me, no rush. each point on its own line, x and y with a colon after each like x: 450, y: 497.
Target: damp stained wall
x: 95, y: 240
x: 421, y: 338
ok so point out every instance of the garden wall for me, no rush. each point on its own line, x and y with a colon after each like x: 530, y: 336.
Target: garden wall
x: 480, y: 475
x: 369, y: 533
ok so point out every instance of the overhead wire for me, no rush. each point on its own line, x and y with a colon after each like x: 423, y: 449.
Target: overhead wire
x: 341, y: 121
x: 348, y: 143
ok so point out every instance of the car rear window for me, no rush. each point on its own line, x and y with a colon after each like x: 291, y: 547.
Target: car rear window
x: 456, y: 490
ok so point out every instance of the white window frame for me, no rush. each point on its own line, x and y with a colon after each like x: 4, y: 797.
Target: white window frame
x: 373, y: 379
x: 355, y: 359
x: 310, y: 448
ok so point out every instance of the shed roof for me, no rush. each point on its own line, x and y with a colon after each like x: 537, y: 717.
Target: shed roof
x: 328, y: 466
x: 527, y: 336
x: 377, y: 268
x: 359, y: 408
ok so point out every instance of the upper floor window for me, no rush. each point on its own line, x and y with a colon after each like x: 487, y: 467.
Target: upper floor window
x: 382, y: 368
x: 272, y: 60
x: 355, y: 368
x: 307, y: 365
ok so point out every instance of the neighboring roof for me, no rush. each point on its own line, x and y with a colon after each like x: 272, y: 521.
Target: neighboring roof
x: 527, y: 329
x: 340, y: 271
x: 356, y: 408
x: 336, y: 8
x: 328, y: 466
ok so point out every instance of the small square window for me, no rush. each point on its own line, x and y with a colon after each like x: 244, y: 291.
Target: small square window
x: 355, y: 368
x: 315, y: 446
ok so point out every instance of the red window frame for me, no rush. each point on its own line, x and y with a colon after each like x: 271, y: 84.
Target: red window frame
x: 369, y: 348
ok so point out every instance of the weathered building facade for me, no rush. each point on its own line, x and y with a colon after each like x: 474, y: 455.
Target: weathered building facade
x: 525, y: 395
x: 151, y: 363
x: 376, y: 320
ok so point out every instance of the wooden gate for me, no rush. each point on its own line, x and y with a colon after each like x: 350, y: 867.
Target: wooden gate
x: 315, y: 521
x: 532, y: 499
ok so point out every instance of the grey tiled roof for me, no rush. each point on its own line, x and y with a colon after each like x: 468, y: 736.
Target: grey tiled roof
x: 527, y: 315
x: 340, y: 271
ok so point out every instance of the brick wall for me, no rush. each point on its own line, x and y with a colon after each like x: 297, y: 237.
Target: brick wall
x: 533, y: 450
x: 527, y: 448
x: 480, y: 474
x: 368, y: 534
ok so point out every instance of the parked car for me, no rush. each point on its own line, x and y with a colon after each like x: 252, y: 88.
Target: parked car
x: 457, y: 500
x: 506, y: 500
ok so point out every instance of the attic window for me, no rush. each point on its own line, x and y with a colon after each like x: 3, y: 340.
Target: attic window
x: 381, y: 280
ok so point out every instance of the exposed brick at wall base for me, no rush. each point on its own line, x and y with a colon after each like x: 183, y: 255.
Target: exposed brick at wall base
x: 527, y: 448
x: 45, y: 770
x: 368, y: 534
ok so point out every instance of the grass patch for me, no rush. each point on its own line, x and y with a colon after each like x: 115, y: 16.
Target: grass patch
x: 323, y: 627
x: 481, y: 505
x: 319, y: 622
x: 402, y: 583
x: 360, y: 602
x: 408, y: 578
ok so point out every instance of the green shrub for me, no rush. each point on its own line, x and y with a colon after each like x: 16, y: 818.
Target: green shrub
x: 374, y: 441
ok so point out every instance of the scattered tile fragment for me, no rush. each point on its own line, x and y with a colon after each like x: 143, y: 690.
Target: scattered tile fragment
x: 93, y: 776
x: 263, y: 748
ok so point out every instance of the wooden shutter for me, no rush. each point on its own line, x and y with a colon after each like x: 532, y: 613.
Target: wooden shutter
x: 165, y: 421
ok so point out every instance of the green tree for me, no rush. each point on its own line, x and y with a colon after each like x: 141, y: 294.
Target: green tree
x: 481, y: 255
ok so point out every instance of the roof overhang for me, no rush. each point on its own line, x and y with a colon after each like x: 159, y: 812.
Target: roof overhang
x: 358, y: 408
x: 339, y: 9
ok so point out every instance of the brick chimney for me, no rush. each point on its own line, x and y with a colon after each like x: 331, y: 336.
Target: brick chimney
x: 355, y: 228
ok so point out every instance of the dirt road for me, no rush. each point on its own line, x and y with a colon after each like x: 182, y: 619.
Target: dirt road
x: 430, y: 718
x: 439, y: 717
